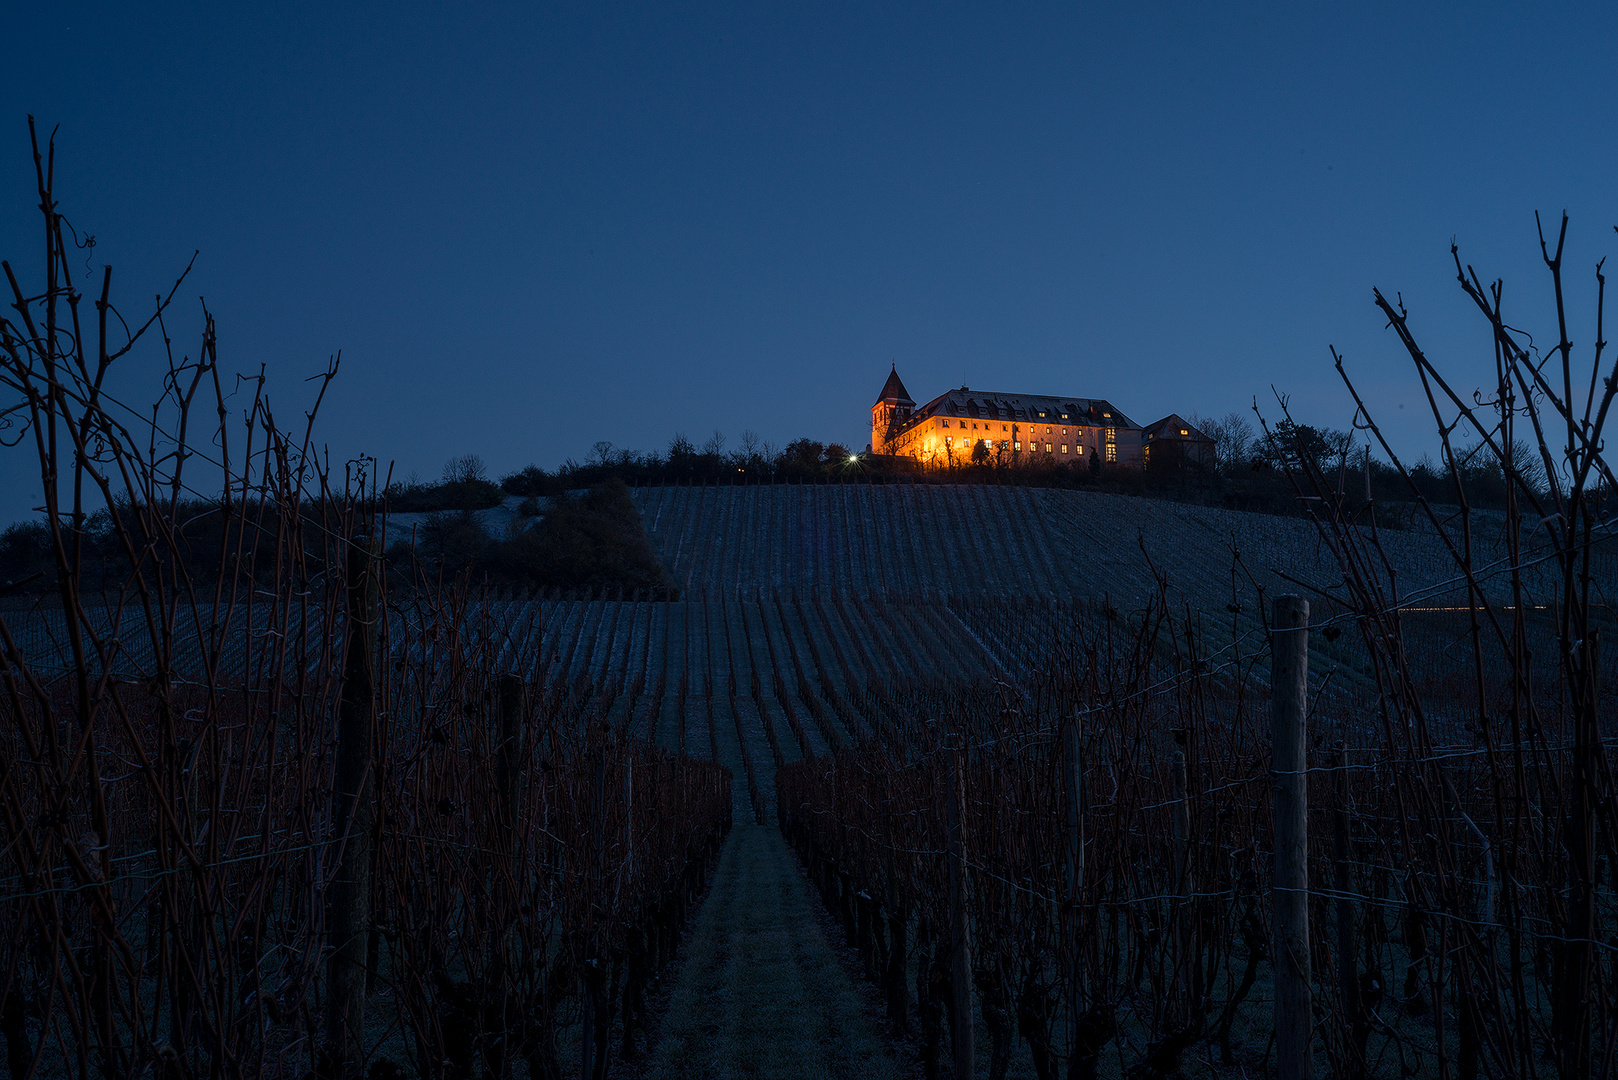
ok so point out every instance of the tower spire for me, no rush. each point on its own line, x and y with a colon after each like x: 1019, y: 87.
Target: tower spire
x: 893, y: 391
x: 892, y: 408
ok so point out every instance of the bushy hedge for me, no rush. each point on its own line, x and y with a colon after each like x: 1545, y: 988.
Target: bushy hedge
x: 198, y: 530
x: 469, y: 494
x: 591, y: 539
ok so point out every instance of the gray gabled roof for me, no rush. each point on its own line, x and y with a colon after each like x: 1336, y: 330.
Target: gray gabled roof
x: 1093, y: 412
x: 1170, y: 427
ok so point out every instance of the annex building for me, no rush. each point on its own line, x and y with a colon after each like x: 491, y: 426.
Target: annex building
x: 965, y: 426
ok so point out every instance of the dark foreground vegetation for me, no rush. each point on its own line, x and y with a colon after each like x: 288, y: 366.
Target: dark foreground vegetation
x: 259, y: 816
x: 274, y: 805
x: 1082, y: 861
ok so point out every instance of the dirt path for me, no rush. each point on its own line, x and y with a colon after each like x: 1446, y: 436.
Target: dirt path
x: 760, y: 992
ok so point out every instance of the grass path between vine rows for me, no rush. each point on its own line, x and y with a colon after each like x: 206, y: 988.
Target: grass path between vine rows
x: 760, y: 992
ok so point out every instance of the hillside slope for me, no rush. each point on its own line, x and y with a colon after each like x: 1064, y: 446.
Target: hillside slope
x: 927, y: 540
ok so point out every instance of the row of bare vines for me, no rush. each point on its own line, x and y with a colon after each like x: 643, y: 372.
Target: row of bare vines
x: 262, y: 815
x: 1075, y: 867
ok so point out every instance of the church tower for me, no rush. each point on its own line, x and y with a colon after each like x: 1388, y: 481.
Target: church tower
x: 893, y: 407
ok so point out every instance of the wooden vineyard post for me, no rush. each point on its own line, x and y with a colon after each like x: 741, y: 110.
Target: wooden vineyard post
x: 591, y: 1047
x: 960, y: 929
x: 1348, y: 981
x: 1578, y: 962
x: 1182, y: 823
x: 508, y: 782
x: 1184, y: 931
x: 1289, y: 643
x: 348, y: 927
x: 508, y: 762
x: 1073, y: 864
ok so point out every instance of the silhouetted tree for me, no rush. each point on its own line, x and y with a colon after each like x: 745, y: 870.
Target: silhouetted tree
x: 1232, y: 437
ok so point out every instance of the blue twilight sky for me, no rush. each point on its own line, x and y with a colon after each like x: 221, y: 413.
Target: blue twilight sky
x: 532, y: 227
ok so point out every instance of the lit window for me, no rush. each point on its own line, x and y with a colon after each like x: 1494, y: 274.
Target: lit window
x: 1078, y: 448
x: 1183, y: 431
x: 1017, y: 446
x: 1064, y: 448
x: 1047, y: 448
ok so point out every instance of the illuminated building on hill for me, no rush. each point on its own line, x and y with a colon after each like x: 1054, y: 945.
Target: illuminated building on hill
x: 968, y: 426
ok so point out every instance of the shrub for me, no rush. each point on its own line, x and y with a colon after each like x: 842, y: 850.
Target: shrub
x: 529, y: 481
x: 25, y: 550
x: 594, y: 539
x: 461, y: 494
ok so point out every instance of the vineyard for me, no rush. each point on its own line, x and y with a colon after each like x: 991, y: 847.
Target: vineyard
x: 800, y: 602
x: 509, y: 848
x: 1089, y: 789
x: 1012, y: 543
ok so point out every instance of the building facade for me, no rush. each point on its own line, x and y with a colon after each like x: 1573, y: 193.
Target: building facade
x: 1173, y: 443
x: 965, y: 426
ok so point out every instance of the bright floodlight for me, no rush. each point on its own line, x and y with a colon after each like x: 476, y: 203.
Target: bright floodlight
x: 853, y: 459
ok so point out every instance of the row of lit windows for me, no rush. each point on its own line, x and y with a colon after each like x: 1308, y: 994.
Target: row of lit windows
x: 1016, y: 446
x: 1003, y: 427
x: 945, y: 423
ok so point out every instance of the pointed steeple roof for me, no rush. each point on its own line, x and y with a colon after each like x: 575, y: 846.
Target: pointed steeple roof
x: 894, y: 389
